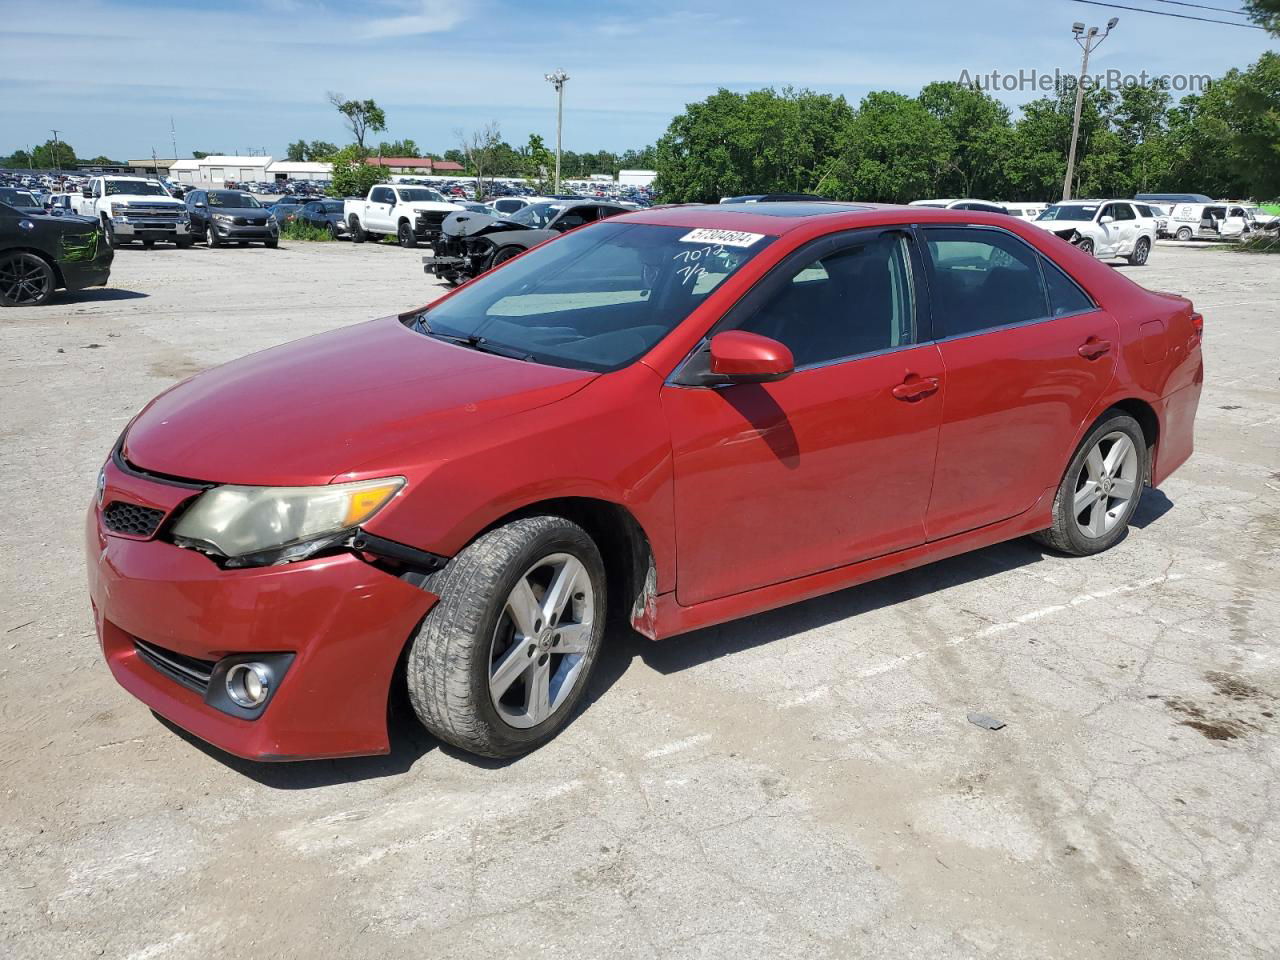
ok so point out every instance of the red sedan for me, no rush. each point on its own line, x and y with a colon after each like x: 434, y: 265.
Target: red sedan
x: 679, y: 416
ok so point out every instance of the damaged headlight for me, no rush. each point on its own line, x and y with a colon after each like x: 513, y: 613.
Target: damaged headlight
x: 252, y: 526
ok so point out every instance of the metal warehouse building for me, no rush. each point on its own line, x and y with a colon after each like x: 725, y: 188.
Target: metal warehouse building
x: 218, y: 170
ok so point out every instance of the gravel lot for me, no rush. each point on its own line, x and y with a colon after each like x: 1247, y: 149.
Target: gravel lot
x: 800, y: 784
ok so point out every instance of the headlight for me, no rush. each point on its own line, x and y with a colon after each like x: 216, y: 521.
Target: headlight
x: 244, y: 523
x: 119, y: 209
x: 223, y: 217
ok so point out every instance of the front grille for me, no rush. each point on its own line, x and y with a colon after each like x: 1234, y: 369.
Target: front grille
x: 151, y: 211
x: 131, y: 519
x: 431, y: 219
x: 250, y: 222
x: 191, y: 672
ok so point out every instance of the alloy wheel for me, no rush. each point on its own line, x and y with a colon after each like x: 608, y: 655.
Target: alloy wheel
x: 25, y: 280
x: 1086, y: 245
x: 541, y: 638
x: 1107, y: 485
x: 1143, y: 251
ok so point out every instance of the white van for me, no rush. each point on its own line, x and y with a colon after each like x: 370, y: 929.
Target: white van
x: 1208, y: 221
x: 1024, y: 211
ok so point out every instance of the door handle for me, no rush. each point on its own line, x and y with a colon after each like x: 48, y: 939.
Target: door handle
x: 1093, y: 348
x: 916, y: 389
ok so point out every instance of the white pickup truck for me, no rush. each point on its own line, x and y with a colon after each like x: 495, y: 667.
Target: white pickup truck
x: 135, y: 208
x: 410, y: 214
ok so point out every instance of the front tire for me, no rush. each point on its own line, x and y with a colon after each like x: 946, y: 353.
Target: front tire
x: 26, y: 280
x: 1141, y: 250
x: 503, y: 254
x: 271, y: 244
x: 211, y: 236
x: 1101, y: 489
x: 1184, y: 233
x: 405, y: 236
x: 1085, y: 244
x: 500, y: 663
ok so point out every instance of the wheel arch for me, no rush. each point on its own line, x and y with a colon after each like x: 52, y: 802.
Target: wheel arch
x: 1147, y: 419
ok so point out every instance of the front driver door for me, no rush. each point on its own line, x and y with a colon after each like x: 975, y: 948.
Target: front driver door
x: 831, y: 465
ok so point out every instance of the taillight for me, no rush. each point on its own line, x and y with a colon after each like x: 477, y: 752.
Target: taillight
x: 1197, y: 326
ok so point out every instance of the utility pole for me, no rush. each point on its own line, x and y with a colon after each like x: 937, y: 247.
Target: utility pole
x: 557, y: 80
x: 173, y: 137
x: 1088, y: 40
x: 57, y: 161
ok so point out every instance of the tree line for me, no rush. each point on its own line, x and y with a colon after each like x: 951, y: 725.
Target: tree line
x: 955, y: 140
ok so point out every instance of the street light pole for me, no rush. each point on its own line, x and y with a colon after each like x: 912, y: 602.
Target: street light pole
x: 57, y: 162
x: 1088, y: 40
x: 557, y: 80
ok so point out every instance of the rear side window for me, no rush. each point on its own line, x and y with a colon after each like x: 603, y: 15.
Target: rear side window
x: 1122, y: 211
x: 858, y: 299
x: 1064, y: 296
x: 983, y: 279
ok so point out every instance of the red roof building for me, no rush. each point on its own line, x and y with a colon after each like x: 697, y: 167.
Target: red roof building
x: 415, y: 165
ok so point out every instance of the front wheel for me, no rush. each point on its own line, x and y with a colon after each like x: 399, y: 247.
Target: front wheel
x: 211, y: 236
x: 499, y: 664
x: 26, y: 280
x: 109, y: 232
x: 503, y: 254
x: 1141, y: 250
x: 1101, y: 488
x: 1085, y: 244
x: 1184, y: 233
x: 271, y: 244
x: 404, y: 235
x: 334, y: 233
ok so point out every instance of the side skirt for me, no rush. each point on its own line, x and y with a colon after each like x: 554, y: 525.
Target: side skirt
x: 673, y: 619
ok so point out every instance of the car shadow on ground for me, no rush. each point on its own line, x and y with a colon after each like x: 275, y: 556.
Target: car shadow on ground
x: 99, y: 296
x: 622, y: 646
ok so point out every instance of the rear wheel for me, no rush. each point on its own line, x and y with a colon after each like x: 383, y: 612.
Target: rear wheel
x: 1141, y: 250
x: 333, y: 231
x: 357, y: 232
x: 404, y: 235
x: 1101, y: 489
x: 25, y: 280
x: 500, y: 663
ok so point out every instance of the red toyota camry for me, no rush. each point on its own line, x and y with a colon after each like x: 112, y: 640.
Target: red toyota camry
x: 681, y: 416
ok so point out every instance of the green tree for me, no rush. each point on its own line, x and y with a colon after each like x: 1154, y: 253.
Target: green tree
x: 398, y: 148
x: 18, y: 159
x: 980, y: 132
x: 296, y: 151
x: 1265, y: 13
x: 892, y: 152
x: 539, y: 164
x: 352, y: 176
x: 362, y: 117
x: 201, y: 154
x: 52, y: 154
x: 481, y: 147
x: 320, y: 150
x: 642, y: 159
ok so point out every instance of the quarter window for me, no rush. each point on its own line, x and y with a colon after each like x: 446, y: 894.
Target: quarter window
x: 858, y: 299
x: 1122, y: 211
x: 1064, y: 296
x: 983, y: 279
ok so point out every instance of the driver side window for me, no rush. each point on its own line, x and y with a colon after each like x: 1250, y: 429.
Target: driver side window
x: 856, y: 300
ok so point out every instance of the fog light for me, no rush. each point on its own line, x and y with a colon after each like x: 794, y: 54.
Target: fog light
x: 248, y: 684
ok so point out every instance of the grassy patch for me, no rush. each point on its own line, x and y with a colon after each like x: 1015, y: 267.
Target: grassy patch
x: 1265, y: 242
x: 297, y: 230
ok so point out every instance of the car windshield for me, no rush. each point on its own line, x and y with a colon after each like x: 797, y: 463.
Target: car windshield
x: 18, y: 197
x: 135, y: 188
x: 537, y: 215
x: 420, y: 194
x: 594, y: 299
x: 233, y: 198
x: 1070, y: 211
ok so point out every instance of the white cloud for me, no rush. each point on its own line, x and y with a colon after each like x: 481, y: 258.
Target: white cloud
x: 419, y: 16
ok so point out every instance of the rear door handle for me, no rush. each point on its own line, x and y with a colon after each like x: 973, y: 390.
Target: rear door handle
x: 1093, y: 348
x: 916, y: 389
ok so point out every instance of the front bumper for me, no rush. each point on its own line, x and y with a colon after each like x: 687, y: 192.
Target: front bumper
x: 141, y: 228
x: 232, y: 231
x: 345, y: 621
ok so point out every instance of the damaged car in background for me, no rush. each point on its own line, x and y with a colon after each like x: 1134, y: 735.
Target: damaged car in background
x: 471, y: 243
x: 1104, y: 228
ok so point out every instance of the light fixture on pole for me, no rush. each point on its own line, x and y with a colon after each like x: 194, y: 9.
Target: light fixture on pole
x: 1088, y: 40
x: 557, y: 80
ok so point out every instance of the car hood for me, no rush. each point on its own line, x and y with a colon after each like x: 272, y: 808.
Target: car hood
x: 143, y: 198
x: 468, y: 224
x: 431, y: 206
x: 238, y: 211
x: 308, y: 411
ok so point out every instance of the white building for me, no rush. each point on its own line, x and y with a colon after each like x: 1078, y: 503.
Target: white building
x: 299, y: 170
x: 636, y: 178
x: 216, y: 171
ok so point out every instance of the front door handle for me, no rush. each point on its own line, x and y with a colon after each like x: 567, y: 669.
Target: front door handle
x: 1093, y: 348
x: 916, y: 389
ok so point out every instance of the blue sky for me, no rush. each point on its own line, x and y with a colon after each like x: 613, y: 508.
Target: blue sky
x: 238, y: 74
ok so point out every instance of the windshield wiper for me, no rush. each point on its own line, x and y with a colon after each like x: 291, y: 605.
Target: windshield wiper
x: 472, y: 341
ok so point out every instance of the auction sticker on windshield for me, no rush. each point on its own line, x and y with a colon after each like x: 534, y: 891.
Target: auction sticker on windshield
x: 726, y: 238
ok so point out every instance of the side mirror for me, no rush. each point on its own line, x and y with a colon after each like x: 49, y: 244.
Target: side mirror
x: 744, y: 357
x: 1108, y: 219
x: 86, y: 192
x: 200, y: 204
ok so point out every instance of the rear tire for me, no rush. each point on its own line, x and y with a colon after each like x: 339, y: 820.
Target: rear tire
x: 1141, y: 250
x: 333, y: 231
x: 357, y: 232
x: 471, y: 645
x: 1098, y: 497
